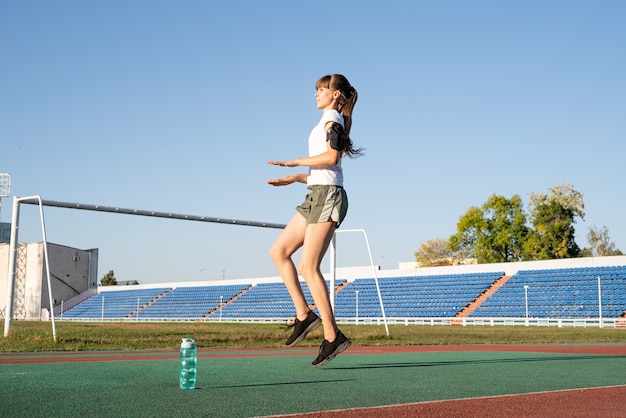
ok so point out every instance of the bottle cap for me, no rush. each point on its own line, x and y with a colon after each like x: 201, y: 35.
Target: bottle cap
x: 188, y: 343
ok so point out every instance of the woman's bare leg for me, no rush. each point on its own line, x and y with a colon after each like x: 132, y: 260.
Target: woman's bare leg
x: 287, y: 243
x: 316, y: 241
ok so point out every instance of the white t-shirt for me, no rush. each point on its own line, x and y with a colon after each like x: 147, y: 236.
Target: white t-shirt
x: 327, y: 174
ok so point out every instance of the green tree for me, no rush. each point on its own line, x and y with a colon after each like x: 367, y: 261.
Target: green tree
x: 553, y: 218
x: 435, y: 253
x: 493, y: 233
x: 498, y: 231
x: 599, y: 243
x: 553, y: 233
x: 108, y: 279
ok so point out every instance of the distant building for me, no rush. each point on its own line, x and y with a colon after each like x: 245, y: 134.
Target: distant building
x: 72, y: 273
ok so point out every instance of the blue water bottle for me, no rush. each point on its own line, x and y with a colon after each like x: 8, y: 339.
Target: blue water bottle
x: 188, y: 361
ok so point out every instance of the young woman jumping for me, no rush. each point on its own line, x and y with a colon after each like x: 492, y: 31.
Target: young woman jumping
x: 322, y: 211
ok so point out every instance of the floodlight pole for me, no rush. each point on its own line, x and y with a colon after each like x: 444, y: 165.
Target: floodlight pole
x: 8, y: 315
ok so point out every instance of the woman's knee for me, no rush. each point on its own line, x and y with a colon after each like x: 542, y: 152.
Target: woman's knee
x: 276, y: 253
x: 308, y: 269
x: 279, y: 253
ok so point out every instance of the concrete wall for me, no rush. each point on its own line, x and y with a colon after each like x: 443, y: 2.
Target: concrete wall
x: 72, y: 272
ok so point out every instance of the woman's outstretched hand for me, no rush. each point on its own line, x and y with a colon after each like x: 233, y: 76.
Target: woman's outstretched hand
x: 284, y: 181
x: 291, y: 163
x: 291, y: 178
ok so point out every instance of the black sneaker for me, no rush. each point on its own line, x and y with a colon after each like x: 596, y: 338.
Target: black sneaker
x: 328, y: 351
x: 302, y: 328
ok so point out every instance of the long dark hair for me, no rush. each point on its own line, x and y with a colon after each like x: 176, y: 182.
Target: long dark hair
x: 346, y: 101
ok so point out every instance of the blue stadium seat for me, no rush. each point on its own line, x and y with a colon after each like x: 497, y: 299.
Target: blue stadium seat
x: 552, y: 293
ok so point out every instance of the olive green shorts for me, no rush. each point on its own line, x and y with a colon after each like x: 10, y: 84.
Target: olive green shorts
x: 324, y: 204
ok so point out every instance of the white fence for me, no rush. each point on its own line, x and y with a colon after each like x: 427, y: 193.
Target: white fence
x: 530, y: 322
x: 465, y: 322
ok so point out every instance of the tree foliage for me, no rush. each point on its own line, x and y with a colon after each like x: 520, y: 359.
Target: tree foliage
x: 565, y: 195
x: 553, y: 236
x: 553, y: 219
x: 599, y: 243
x: 434, y: 253
x: 493, y: 233
x: 500, y: 231
x: 108, y: 279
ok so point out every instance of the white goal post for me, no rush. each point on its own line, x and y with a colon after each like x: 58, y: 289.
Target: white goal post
x: 37, y: 200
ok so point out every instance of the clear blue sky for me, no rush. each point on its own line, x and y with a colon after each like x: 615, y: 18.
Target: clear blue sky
x: 177, y: 105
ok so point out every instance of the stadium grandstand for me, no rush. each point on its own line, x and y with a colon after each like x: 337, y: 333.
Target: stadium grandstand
x: 586, y: 291
x: 572, y: 292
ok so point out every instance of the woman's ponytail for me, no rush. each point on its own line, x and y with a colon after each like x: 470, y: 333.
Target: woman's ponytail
x: 348, y: 99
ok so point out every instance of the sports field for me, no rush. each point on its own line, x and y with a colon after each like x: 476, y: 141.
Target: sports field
x: 585, y: 380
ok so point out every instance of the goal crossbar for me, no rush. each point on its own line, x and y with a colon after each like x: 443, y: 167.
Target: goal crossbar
x: 151, y: 213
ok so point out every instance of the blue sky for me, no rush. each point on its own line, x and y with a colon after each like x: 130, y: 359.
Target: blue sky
x: 177, y: 106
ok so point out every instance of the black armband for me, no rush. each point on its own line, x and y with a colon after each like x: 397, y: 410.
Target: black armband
x: 336, y: 136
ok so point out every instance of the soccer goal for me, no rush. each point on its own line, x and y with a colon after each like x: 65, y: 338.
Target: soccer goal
x: 37, y: 200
